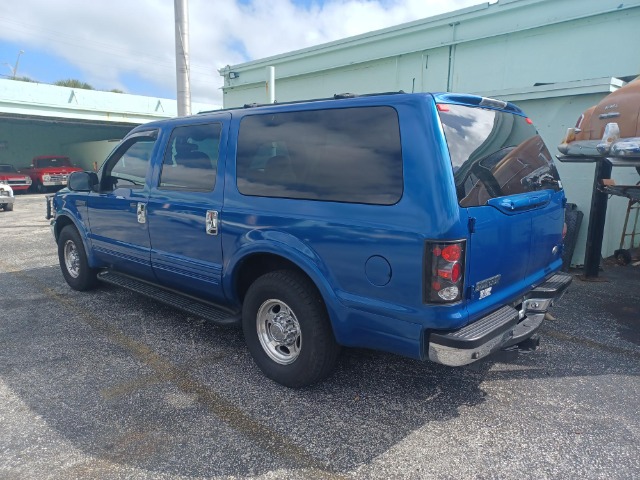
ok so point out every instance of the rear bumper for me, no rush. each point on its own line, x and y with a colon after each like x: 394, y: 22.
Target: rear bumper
x: 503, y: 328
x: 6, y: 200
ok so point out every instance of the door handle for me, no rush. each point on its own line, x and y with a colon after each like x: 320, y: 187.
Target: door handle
x: 211, y: 222
x: 520, y: 203
x: 142, y: 213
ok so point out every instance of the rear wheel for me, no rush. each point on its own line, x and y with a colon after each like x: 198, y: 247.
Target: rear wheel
x: 73, y: 260
x: 287, y: 329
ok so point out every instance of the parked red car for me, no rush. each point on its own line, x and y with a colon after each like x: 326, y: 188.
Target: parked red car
x: 19, y: 182
x: 49, y: 171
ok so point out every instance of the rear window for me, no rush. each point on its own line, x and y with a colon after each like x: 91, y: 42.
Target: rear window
x: 494, y: 154
x: 348, y: 155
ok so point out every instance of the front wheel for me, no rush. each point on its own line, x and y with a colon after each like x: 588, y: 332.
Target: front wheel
x: 73, y: 260
x: 287, y: 329
x: 8, y: 207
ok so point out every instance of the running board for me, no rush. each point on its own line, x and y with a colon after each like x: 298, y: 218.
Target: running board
x: 180, y: 301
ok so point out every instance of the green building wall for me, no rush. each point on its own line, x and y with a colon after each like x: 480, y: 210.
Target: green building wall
x: 553, y: 58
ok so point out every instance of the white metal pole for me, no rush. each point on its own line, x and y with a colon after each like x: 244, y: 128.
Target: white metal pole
x: 183, y: 97
x: 271, y: 84
x: 15, y: 69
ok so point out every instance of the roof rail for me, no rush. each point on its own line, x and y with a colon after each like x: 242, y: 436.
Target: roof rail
x: 337, y: 96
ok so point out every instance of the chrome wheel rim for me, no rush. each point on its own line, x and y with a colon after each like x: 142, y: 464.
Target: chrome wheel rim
x: 279, y: 331
x: 72, y: 259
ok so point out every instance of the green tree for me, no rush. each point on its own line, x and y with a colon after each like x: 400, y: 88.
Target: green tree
x: 73, y: 83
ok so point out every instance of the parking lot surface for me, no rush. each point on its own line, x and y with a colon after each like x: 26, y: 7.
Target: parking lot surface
x: 107, y: 384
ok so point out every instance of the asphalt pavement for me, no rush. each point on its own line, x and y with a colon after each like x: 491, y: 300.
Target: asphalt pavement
x: 108, y: 385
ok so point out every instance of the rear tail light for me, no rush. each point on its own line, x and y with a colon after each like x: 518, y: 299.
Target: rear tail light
x: 444, y: 271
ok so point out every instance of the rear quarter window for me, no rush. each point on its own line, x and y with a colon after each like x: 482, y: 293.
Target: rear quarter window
x: 348, y: 155
x: 495, y: 154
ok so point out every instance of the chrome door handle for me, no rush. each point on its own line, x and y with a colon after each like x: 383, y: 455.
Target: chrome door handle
x: 211, y: 222
x: 142, y: 213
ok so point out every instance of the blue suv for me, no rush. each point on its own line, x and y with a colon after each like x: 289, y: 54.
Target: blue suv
x: 427, y: 225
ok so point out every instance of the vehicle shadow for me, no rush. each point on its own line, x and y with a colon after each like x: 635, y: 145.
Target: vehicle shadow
x: 130, y: 383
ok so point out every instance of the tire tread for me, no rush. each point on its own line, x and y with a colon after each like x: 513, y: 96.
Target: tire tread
x: 87, y: 280
x: 319, y: 360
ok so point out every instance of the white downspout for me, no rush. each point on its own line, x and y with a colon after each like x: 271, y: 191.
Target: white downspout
x: 271, y: 85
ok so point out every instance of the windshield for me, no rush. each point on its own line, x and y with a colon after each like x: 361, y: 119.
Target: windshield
x: 494, y: 153
x: 53, y: 162
x: 7, y: 169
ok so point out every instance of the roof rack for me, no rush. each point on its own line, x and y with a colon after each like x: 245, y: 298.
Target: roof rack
x: 337, y: 96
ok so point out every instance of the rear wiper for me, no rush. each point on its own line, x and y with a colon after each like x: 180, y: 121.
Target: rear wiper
x: 538, y: 178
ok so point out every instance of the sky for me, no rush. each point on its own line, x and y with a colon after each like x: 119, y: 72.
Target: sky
x: 129, y: 45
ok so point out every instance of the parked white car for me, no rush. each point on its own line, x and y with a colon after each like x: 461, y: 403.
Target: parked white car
x: 6, y: 197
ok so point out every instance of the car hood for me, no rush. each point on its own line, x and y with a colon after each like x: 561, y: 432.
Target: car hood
x: 12, y: 176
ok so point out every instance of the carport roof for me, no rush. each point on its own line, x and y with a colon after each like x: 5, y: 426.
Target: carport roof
x: 42, y: 102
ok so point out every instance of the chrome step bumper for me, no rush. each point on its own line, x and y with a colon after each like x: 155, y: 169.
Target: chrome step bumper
x: 500, y: 329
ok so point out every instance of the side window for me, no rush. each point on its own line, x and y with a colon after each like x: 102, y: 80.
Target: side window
x: 350, y: 155
x: 191, y: 159
x: 128, y: 167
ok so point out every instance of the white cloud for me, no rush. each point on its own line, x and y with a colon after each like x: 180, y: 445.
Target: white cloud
x: 110, y: 41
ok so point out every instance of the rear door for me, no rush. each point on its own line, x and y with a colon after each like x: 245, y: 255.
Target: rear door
x: 506, y: 180
x: 184, y: 206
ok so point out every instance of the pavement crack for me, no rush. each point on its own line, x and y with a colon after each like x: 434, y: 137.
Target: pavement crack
x: 593, y: 344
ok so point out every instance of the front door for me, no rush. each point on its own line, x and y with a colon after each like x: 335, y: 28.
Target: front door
x: 118, y: 213
x: 184, y: 207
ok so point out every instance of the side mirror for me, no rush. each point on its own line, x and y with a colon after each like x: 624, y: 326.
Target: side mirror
x: 82, y: 181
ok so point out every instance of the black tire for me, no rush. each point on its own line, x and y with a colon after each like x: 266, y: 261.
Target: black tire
x: 40, y: 188
x: 8, y: 207
x: 313, y: 355
x: 73, y: 263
